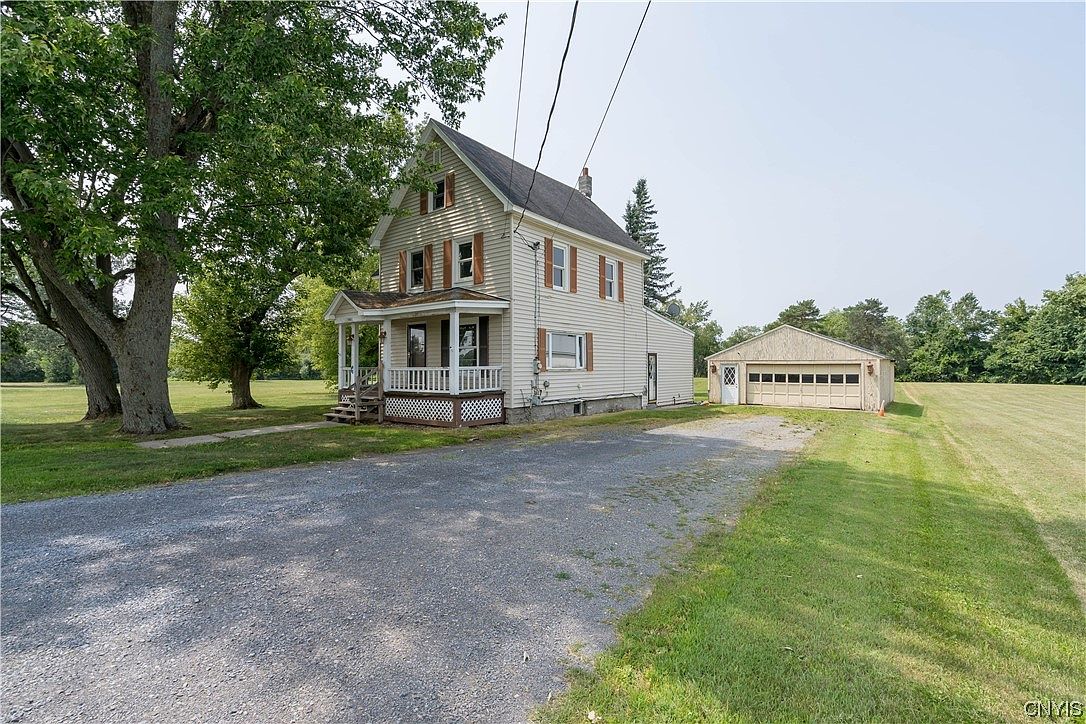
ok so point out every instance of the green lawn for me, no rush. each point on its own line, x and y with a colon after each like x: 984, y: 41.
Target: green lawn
x: 701, y: 389
x: 1030, y: 439
x: 883, y: 576
x: 46, y: 454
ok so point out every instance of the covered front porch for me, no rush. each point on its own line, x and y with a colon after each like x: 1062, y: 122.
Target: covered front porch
x: 425, y: 373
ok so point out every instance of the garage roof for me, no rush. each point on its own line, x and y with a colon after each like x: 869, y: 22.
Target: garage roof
x: 787, y: 328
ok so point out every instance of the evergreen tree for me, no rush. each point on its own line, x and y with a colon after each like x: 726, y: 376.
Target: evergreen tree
x: 640, y: 218
x: 804, y: 314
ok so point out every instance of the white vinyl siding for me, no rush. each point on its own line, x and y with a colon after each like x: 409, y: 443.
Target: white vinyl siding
x: 674, y: 350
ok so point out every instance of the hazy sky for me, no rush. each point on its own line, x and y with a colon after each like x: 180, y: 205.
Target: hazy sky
x: 833, y: 151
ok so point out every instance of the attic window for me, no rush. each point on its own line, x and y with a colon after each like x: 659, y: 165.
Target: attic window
x: 435, y: 156
x: 437, y: 197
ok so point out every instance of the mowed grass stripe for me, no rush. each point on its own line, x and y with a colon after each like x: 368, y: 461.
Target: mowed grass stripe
x: 876, y: 579
x: 1032, y: 440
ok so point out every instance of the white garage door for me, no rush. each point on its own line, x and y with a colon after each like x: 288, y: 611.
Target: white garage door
x: 829, y: 385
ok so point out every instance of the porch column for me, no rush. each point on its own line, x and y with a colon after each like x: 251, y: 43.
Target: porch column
x: 386, y: 351
x: 354, y: 350
x: 342, y: 356
x: 454, y: 352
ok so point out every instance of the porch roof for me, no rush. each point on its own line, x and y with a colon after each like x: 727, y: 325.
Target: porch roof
x: 355, y: 306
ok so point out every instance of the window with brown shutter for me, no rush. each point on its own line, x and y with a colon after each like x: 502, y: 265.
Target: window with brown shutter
x: 477, y: 258
x: 621, y: 283
x: 403, y: 271
x: 446, y: 264
x: 424, y: 202
x: 548, y: 262
x: 450, y: 183
x: 603, y: 279
x: 541, y: 342
x: 428, y: 267
x: 572, y: 269
x: 588, y: 351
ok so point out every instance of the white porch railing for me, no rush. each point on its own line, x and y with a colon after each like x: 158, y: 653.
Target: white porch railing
x: 367, y: 376
x: 436, y: 379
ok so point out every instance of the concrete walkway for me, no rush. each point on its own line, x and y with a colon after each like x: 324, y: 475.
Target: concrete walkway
x: 220, y: 436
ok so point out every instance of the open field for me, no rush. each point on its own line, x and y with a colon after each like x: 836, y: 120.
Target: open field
x: 1030, y: 439
x: 701, y: 389
x: 884, y: 576
x: 48, y: 454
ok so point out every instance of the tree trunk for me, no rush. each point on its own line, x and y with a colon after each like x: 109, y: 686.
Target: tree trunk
x: 241, y: 376
x: 94, y: 358
x: 143, y: 355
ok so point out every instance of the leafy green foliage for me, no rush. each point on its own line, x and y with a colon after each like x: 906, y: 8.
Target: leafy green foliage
x: 227, y: 327
x: 741, y: 334
x: 640, y: 219
x: 34, y: 353
x: 316, y: 339
x: 803, y: 314
x: 950, y: 340
x: 697, y: 317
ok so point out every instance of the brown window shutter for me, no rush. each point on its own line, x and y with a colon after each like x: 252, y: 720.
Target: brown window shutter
x: 450, y: 184
x: 548, y: 262
x: 477, y: 258
x: 588, y: 351
x: 424, y: 202
x: 446, y: 264
x: 428, y: 267
x: 621, y: 284
x: 541, y: 336
x: 603, y: 277
x: 573, y: 269
x: 403, y: 271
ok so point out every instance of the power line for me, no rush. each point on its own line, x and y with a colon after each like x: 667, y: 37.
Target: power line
x: 607, y: 110
x: 520, y: 85
x: 554, y: 102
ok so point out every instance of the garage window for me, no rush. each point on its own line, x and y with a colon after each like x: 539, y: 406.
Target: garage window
x: 767, y: 377
x: 836, y: 379
x: 793, y: 378
x: 778, y: 377
x: 852, y: 379
x: 822, y: 379
x: 753, y: 377
x: 808, y: 379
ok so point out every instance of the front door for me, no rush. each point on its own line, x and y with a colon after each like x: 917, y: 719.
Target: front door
x: 652, y: 377
x: 729, y: 385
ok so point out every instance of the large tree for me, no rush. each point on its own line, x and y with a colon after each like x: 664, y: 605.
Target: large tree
x: 868, y: 324
x: 123, y: 123
x: 803, y: 314
x: 640, y: 218
x: 698, y: 318
x: 949, y: 340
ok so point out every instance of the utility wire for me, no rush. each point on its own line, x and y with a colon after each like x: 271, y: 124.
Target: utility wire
x: 520, y: 85
x: 554, y: 102
x: 607, y: 110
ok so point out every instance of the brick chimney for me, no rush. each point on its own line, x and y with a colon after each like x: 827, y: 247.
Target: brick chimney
x: 584, y: 183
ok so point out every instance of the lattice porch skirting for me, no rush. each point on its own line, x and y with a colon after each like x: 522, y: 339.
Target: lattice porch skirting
x: 483, y: 408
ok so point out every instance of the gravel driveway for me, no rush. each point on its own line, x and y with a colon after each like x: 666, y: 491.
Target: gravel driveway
x: 454, y: 584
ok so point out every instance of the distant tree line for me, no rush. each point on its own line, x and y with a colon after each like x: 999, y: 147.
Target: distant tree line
x: 941, y: 339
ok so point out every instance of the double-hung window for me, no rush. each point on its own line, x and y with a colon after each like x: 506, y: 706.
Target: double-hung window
x: 418, y: 269
x: 565, y: 351
x: 469, y: 345
x: 465, y: 264
x: 437, y: 197
x: 559, y: 254
x: 609, y: 279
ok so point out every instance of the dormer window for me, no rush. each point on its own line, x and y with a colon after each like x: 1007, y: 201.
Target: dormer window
x: 437, y: 196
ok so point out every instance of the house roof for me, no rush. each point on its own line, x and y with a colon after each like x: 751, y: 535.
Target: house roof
x: 550, y: 198
x: 392, y: 300
x: 869, y: 352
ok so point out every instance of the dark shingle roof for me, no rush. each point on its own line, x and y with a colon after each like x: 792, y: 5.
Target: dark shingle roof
x: 549, y: 197
x: 386, y: 300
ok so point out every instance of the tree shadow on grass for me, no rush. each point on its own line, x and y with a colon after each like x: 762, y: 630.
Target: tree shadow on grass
x: 906, y: 409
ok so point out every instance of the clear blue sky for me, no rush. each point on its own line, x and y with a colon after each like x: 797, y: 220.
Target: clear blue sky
x: 833, y: 151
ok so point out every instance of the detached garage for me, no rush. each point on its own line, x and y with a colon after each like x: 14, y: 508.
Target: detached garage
x: 790, y: 367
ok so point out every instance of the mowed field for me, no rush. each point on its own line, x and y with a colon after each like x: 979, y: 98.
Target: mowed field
x: 1030, y: 439
x: 895, y: 572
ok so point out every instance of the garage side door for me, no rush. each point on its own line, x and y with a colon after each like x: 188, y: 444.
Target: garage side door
x: 783, y: 385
